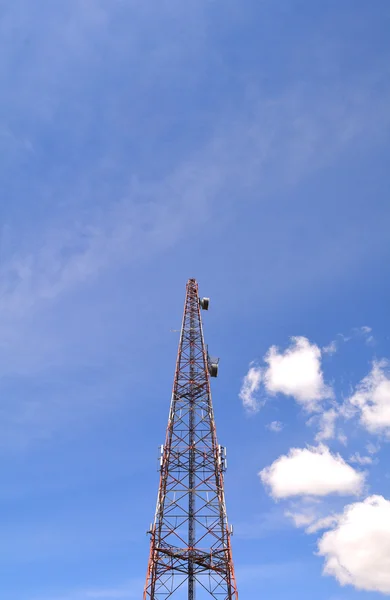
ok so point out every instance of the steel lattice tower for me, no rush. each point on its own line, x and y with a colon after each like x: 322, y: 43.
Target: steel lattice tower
x: 190, y: 550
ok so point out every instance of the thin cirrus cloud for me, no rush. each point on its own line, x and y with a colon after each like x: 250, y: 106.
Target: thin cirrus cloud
x: 130, y: 590
x: 357, y: 549
x: 296, y: 372
x: 145, y: 219
x: 202, y: 173
x: 311, y: 472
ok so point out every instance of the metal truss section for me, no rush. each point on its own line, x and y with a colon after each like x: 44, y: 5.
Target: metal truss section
x: 190, y: 549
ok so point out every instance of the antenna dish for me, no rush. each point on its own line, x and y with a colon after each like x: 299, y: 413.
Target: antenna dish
x: 213, y: 365
x: 204, y: 303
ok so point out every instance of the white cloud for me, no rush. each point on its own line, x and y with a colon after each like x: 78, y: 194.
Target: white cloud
x: 250, y: 387
x: 311, y: 471
x: 372, y: 399
x: 297, y: 372
x: 357, y: 550
x: 275, y: 426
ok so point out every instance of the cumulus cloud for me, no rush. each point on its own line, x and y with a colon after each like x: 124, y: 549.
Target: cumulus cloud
x: 311, y: 471
x: 275, y: 426
x: 249, y: 389
x: 297, y: 373
x: 372, y: 399
x: 357, y: 549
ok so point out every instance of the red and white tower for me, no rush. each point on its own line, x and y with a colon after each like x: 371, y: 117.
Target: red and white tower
x: 190, y: 550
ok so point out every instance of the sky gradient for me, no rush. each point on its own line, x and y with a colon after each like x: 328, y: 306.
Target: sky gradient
x: 243, y: 144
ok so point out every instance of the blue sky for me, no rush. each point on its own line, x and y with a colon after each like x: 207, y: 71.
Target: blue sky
x: 243, y: 144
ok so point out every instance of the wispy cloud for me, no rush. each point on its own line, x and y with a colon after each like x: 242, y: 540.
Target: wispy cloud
x: 272, y: 571
x: 331, y: 348
x: 275, y: 426
x: 261, y: 526
x: 327, y: 425
x: 132, y: 589
x: 249, y: 389
x: 361, y: 460
x: 154, y: 215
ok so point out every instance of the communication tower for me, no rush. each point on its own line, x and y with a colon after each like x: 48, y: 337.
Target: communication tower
x: 190, y: 538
